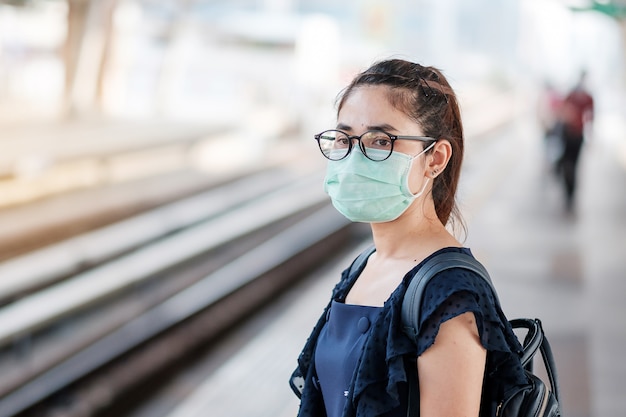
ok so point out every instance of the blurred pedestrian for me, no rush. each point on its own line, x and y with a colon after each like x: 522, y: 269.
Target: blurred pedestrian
x: 548, y: 110
x: 394, y: 162
x: 576, y: 115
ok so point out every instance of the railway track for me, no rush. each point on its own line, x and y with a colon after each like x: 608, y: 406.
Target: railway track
x: 89, y: 319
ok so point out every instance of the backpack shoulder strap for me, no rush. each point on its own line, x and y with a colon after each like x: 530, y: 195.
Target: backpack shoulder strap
x: 415, y: 291
x: 361, y: 259
x: 536, y: 340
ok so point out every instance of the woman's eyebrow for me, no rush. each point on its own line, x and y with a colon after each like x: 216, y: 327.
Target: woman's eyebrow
x: 384, y: 127
x: 341, y: 126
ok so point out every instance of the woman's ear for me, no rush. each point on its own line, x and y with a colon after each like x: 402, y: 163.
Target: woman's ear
x: 438, y: 158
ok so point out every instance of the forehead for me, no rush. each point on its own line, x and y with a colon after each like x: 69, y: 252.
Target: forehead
x: 368, y: 106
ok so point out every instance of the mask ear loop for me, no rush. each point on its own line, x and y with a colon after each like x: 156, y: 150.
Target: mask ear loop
x: 426, y: 149
x: 417, y: 195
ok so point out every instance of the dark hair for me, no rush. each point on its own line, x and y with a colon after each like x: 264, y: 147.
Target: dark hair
x: 423, y: 94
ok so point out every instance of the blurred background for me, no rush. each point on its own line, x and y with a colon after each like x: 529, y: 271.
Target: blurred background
x: 165, y: 245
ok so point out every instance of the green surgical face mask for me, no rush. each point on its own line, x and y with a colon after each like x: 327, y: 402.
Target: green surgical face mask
x: 370, y: 191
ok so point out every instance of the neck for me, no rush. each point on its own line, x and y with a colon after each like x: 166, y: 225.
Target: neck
x: 414, y: 235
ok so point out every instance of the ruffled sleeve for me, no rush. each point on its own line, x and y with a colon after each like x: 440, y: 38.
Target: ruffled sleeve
x: 457, y: 291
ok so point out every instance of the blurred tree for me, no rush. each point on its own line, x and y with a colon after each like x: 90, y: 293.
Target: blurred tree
x: 87, y: 50
x: 17, y: 3
x: 76, y: 26
x: 613, y: 8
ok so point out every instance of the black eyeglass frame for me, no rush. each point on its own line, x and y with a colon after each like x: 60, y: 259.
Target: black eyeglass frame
x: 351, y: 138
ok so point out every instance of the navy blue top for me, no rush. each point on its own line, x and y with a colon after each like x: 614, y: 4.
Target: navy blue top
x: 379, y: 379
x: 338, y: 350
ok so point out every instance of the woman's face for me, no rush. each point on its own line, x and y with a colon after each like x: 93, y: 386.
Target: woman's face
x: 368, y: 108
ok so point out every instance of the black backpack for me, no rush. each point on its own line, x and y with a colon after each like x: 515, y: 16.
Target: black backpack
x: 535, y: 399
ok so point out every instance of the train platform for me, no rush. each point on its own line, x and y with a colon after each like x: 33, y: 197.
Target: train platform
x: 567, y: 269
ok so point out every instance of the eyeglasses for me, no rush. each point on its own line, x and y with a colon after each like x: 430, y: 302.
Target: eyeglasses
x: 375, y: 144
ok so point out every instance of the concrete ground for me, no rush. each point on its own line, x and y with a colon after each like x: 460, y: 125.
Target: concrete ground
x: 567, y: 269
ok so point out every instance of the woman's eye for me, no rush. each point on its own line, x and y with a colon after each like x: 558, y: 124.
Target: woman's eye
x: 342, y: 142
x: 380, y: 141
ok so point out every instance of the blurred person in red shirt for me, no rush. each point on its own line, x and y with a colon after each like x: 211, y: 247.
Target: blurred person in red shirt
x: 576, y: 112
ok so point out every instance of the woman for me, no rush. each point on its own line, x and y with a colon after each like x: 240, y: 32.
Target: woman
x: 394, y: 162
